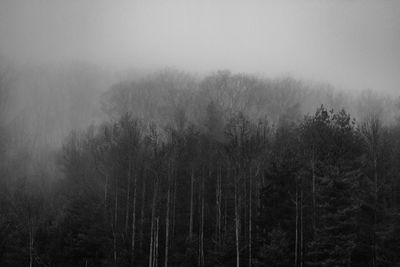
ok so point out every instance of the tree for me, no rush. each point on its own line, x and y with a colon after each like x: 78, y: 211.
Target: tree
x: 340, y: 174
x: 275, y: 252
x: 371, y: 129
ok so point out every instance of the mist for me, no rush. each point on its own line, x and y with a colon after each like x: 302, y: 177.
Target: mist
x: 352, y: 44
x: 199, y: 133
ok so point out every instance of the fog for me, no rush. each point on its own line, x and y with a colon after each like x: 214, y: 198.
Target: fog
x: 61, y: 56
x: 351, y: 44
x: 199, y: 133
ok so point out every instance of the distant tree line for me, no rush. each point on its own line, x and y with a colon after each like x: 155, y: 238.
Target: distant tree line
x: 211, y: 176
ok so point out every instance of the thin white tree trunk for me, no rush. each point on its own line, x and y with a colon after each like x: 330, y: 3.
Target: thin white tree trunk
x: 218, y: 208
x: 152, y: 237
x: 237, y: 222
x: 191, y: 204
x: 115, y: 228
x: 314, y: 220
x: 202, y: 223
x: 134, y: 218
x: 297, y: 219
x: 30, y: 243
x: 128, y: 197
x: 201, y: 226
x: 105, y: 192
x: 156, y: 245
x: 174, y: 206
x: 375, y: 254
x: 250, y: 218
x: 167, y: 218
x: 301, y: 226
x: 142, y: 213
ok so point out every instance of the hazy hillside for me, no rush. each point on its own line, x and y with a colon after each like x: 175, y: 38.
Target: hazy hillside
x: 206, y: 133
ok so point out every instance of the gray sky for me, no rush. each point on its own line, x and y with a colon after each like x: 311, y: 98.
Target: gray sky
x: 350, y: 43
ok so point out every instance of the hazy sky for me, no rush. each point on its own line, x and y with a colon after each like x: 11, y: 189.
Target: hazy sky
x: 350, y: 43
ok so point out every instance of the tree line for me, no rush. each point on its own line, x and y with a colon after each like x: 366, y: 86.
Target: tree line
x: 209, y: 185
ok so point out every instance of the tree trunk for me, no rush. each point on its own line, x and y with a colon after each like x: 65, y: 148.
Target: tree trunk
x: 201, y: 230
x: 174, y: 206
x: 105, y: 192
x: 314, y: 200
x: 301, y: 225
x: 134, y: 218
x: 296, y: 231
x: 375, y: 253
x: 151, y: 246
x: 156, y: 245
x: 167, y: 217
x: 250, y: 214
x: 314, y: 223
x: 244, y: 210
x: 115, y: 228
x: 128, y: 197
x: 237, y: 222
x: 257, y: 190
x: 191, y: 204
x: 225, y: 231
x: 202, y: 222
x: 218, y: 195
x: 152, y: 231
x: 142, y: 214
x: 30, y: 243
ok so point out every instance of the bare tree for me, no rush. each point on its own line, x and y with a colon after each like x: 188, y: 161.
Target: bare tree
x: 371, y: 129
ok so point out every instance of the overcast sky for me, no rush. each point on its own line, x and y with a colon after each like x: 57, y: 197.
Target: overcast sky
x: 350, y: 43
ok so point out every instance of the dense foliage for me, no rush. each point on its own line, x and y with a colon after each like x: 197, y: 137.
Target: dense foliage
x: 207, y: 183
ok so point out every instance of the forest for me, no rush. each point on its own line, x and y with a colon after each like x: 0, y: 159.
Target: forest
x: 226, y: 169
